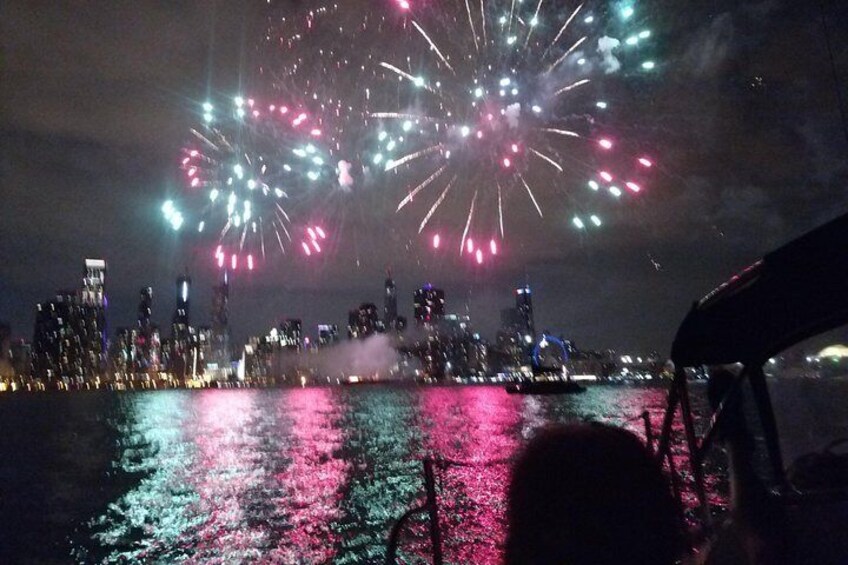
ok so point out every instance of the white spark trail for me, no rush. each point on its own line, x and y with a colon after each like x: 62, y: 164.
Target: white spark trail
x: 571, y: 86
x: 414, y: 80
x: 471, y: 23
x: 262, y: 238
x: 279, y: 240
x: 433, y: 45
x: 511, y: 11
x: 421, y: 187
x: 436, y: 205
x: 500, y: 209
x: 394, y: 164
x: 562, y: 30
x: 468, y: 222
x: 553, y: 163
x: 565, y: 132
x: 566, y: 54
x: 401, y: 116
x: 483, y: 17
x: 532, y: 197
x: 283, y: 212
x: 532, y: 27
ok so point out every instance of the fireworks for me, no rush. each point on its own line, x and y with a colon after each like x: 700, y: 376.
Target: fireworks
x: 246, y: 168
x: 500, y: 100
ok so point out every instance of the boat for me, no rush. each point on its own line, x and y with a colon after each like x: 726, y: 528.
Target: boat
x: 545, y: 387
x: 740, y: 331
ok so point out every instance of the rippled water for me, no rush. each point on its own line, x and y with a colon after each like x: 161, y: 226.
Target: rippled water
x: 290, y: 476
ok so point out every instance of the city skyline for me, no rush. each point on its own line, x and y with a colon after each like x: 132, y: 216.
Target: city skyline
x: 89, y: 156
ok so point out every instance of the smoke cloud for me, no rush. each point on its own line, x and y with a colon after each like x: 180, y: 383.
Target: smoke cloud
x: 361, y: 357
x: 345, y: 178
x: 513, y: 113
x: 606, y: 46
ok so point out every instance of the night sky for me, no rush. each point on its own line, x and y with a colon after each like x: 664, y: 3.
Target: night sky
x: 97, y: 99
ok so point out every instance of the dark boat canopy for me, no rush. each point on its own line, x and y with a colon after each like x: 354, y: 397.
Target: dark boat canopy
x: 791, y: 294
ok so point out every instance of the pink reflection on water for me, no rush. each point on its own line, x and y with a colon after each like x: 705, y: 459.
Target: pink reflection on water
x: 223, y: 474
x: 476, y: 426
x: 312, y: 483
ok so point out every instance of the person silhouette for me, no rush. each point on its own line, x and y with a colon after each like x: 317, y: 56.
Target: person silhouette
x: 590, y: 494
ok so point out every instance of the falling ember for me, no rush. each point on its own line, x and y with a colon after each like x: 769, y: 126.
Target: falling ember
x: 234, y: 261
x: 515, y: 148
x: 469, y: 245
x: 645, y: 162
x: 633, y: 186
x: 320, y: 232
x: 315, y: 132
x: 493, y: 247
x: 221, y: 261
x: 316, y: 246
x: 193, y: 153
x: 195, y: 182
x: 479, y: 256
x: 605, y: 143
x: 606, y: 176
x: 250, y: 262
x: 507, y: 162
x: 306, y: 248
x: 311, y: 233
x: 436, y: 241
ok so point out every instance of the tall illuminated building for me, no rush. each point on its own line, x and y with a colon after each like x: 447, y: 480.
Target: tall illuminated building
x: 147, y: 336
x: 220, y: 335
x: 524, y: 307
x: 180, y: 322
x: 291, y: 334
x: 94, y: 283
x: 390, y: 310
x: 364, y: 321
x: 429, y: 304
x: 182, y: 347
x: 328, y: 334
x: 91, y: 331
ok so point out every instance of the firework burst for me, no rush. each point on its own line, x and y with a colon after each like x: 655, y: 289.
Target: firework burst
x: 496, y: 101
x: 248, y: 169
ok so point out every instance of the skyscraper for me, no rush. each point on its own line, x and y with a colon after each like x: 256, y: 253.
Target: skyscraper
x: 91, y: 332
x: 220, y: 336
x: 94, y: 283
x: 524, y: 306
x: 328, y: 334
x: 182, y: 344
x: 429, y: 305
x: 180, y: 322
x: 146, y: 336
x: 364, y: 321
x: 390, y: 311
x: 291, y: 334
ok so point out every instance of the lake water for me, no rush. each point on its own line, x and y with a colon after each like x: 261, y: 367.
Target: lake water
x: 312, y: 475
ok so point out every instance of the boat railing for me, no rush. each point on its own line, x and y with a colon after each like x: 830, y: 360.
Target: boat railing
x: 429, y: 508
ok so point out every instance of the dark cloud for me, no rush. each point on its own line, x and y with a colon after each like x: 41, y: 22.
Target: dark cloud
x: 96, y: 100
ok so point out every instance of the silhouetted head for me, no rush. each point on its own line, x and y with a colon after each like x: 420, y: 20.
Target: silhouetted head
x: 590, y: 494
